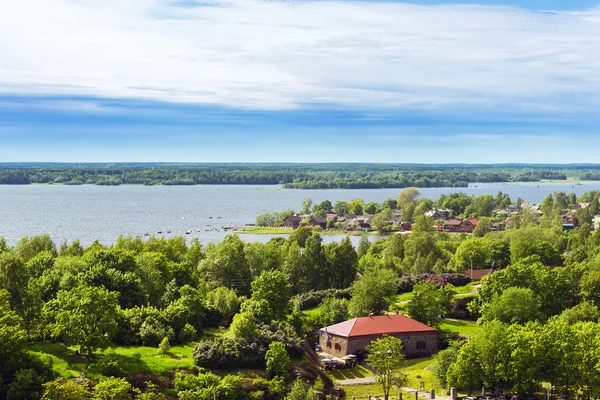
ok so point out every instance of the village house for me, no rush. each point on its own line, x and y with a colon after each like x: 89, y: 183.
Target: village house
x: 458, y: 226
x: 439, y: 214
x: 293, y: 221
x: 351, y: 337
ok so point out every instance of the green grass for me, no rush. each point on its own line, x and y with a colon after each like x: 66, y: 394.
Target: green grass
x: 465, y: 290
x: 133, y: 359
x: 421, y: 370
x: 465, y: 328
x: 349, y: 373
x: 363, y: 391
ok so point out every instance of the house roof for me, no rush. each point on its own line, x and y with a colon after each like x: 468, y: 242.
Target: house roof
x: 377, y: 325
x: 320, y: 220
x: 473, y: 221
x: 453, y: 222
x: 293, y: 218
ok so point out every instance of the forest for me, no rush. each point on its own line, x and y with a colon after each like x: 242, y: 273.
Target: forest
x: 157, y: 318
x: 292, y: 176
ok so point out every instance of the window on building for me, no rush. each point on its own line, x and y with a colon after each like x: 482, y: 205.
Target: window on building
x: 329, y: 344
x: 421, y: 345
x: 338, y: 347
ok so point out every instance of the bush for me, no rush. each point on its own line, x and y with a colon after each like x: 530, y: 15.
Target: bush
x: 109, y: 365
x: 164, y: 347
x: 314, y: 298
x: 188, y: 334
x: 231, y: 353
x: 407, y: 282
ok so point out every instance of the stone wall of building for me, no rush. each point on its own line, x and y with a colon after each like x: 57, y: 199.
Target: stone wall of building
x: 415, y: 345
x: 335, y: 345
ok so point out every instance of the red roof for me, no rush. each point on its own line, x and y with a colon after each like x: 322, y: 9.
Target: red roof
x: 473, y: 221
x: 377, y: 325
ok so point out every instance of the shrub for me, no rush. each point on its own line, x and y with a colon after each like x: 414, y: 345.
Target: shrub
x: 188, y: 334
x: 164, y: 347
x: 231, y: 353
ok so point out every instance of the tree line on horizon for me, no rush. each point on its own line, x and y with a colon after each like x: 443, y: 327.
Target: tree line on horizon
x: 293, y: 176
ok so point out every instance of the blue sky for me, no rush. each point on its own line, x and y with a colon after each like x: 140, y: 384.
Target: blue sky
x: 300, y: 81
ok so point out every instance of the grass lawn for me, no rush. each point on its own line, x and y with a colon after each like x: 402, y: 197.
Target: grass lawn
x: 134, y: 359
x: 362, y: 392
x: 465, y: 290
x: 358, y: 371
x: 421, y: 370
x: 466, y: 328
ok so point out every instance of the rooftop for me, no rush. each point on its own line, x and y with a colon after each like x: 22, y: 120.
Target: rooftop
x: 377, y: 325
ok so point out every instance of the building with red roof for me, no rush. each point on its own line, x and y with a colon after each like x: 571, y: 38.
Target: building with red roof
x: 351, y: 337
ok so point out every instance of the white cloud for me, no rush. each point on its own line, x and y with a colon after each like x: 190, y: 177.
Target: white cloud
x: 283, y: 54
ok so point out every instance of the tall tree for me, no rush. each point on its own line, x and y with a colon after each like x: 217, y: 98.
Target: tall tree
x: 372, y: 292
x: 387, y: 360
x: 85, y: 316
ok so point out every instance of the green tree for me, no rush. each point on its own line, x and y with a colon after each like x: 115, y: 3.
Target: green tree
x: 301, y: 391
x: 387, y: 360
x: 277, y: 360
x: 306, y: 205
x: 26, y: 385
x: 514, y: 306
x: 371, y: 208
x: 429, y: 302
x: 62, y: 389
x: 443, y: 361
x: 85, y: 316
x: 407, y: 196
x: 243, y: 326
x: 582, y: 312
x: 113, y: 389
x: 223, y: 301
x: 472, y: 253
x: 372, y: 292
x: 342, y: 261
x: 226, y: 265
x: 274, y: 288
x: 341, y: 207
x: 465, y: 373
x: 381, y: 221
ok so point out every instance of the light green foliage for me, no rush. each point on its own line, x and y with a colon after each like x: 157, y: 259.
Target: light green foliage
x: 443, y: 361
x: 225, y: 265
x: 243, y: 326
x: 62, y: 389
x: 277, y: 360
x: 372, y: 292
x: 590, y: 287
x: 473, y: 253
x: 363, y: 246
x: 301, y: 235
x: 371, y: 208
x: 164, y: 347
x: 306, y: 205
x: 514, y: 305
x: 341, y: 207
x: 85, y: 316
x: 429, y: 302
x: 387, y: 361
x: 342, y: 262
x: 12, y: 334
x: 272, y: 219
x: 407, y: 196
x: 301, y: 391
x: 381, y: 221
x: 355, y: 207
x: 274, y: 288
x: 582, y: 312
x: 113, y: 389
x: 223, y: 301
x: 29, y: 247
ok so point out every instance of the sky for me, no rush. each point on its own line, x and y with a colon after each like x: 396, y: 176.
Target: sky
x: 427, y: 81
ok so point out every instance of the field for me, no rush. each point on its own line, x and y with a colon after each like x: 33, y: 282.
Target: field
x: 464, y: 328
x: 134, y: 360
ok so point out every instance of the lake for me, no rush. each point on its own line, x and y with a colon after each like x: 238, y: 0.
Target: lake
x: 104, y: 212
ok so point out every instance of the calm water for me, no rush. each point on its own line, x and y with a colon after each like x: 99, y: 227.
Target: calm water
x: 103, y: 213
